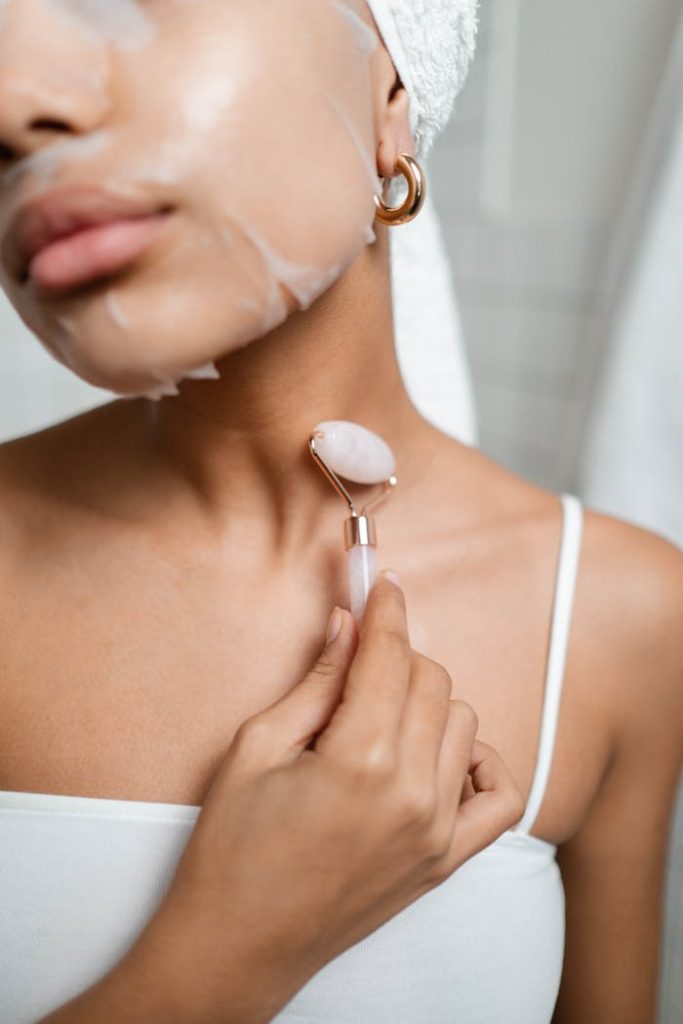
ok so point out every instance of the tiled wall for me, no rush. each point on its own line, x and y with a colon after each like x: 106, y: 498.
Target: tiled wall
x: 528, y: 299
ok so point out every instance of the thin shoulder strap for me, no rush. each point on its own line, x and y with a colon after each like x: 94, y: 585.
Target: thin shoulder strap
x: 568, y: 563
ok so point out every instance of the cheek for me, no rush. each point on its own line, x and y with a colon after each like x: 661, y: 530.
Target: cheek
x: 269, y: 130
x: 260, y: 125
x: 312, y: 136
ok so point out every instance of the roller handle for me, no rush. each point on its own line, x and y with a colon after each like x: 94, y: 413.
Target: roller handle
x: 362, y: 562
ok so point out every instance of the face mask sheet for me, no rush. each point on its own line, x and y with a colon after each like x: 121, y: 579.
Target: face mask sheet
x: 251, y: 123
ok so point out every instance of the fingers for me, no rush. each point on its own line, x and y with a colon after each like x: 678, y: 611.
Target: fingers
x: 468, y: 789
x: 378, y: 678
x: 455, y: 756
x: 282, y: 731
x: 425, y: 717
x: 496, y: 805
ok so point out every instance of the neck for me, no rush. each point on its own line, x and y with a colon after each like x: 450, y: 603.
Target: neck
x: 238, y: 446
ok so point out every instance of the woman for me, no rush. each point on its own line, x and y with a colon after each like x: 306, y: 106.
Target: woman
x: 170, y: 564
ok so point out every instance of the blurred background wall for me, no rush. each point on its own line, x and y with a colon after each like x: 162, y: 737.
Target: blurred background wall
x: 560, y: 185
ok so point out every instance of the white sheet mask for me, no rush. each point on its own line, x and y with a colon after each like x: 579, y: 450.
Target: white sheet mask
x: 252, y: 121
x: 123, y: 22
x: 42, y: 166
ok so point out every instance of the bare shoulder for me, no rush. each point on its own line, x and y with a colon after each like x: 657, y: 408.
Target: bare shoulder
x: 632, y: 581
x: 627, y: 614
x: 626, y: 639
x: 630, y: 614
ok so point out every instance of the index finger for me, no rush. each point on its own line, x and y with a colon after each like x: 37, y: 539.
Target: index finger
x: 378, y: 678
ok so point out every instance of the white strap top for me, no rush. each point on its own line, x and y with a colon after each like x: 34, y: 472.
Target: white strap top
x: 568, y: 564
x: 80, y: 877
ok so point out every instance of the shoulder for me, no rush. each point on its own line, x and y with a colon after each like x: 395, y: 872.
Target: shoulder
x: 630, y: 597
x: 629, y: 613
x: 629, y: 658
x: 643, y: 566
x: 625, y: 646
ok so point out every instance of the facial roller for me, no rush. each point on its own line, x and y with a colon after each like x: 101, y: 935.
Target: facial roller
x: 345, y: 449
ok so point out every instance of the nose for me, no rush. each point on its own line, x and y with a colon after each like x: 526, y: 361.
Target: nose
x: 51, y: 80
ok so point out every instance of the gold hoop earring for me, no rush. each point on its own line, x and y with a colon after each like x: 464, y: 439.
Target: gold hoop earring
x: 413, y: 202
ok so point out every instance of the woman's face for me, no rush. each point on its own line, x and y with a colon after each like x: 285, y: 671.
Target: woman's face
x: 239, y: 134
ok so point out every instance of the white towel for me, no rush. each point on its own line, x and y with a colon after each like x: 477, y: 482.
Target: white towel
x: 428, y: 333
x: 432, y: 43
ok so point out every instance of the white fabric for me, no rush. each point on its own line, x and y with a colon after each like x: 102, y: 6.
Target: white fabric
x: 79, y: 878
x: 431, y: 43
x: 429, y: 342
x: 567, y: 572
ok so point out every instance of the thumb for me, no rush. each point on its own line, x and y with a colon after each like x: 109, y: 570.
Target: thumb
x: 308, y: 707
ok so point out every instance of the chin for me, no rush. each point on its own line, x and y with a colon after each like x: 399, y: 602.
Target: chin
x: 143, y: 331
x: 133, y: 342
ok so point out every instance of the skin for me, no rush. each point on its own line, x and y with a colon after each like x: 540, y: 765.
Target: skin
x: 197, y: 543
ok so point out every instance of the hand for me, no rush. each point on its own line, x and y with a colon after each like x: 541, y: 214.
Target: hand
x: 357, y: 792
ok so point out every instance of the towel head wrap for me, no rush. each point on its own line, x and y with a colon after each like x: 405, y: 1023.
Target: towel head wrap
x: 431, y: 43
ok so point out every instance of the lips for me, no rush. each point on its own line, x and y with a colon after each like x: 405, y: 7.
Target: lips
x: 69, y: 236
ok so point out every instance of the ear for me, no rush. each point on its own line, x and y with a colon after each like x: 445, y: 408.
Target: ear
x: 395, y: 136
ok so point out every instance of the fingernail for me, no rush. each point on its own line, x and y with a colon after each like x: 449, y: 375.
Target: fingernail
x: 334, y: 625
x: 393, y: 576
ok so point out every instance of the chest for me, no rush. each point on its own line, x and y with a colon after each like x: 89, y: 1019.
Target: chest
x: 129, y: 680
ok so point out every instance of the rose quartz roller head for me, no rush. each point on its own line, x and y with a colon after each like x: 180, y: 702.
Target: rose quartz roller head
x: 348, y: 450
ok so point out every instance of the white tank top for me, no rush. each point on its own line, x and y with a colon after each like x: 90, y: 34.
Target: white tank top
x: 80, y: 877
